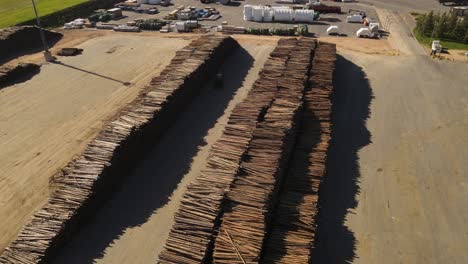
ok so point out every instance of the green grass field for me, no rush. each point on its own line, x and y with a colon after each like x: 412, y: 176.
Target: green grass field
x: 16, y: 11
x: 446, y: 44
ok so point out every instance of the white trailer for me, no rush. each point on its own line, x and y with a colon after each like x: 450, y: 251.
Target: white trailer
x: 354, y: 19
x: 333, y: 30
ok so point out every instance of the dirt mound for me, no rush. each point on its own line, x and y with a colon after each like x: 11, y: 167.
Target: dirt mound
x: 11, y: 74
x: 16, y: 41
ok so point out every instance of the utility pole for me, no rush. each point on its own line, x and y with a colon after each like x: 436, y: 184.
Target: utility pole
x: 47, y: 55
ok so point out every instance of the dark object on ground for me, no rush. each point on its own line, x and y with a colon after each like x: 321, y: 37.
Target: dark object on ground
x: 219, y: 81
x: 21, y: 72
x: 16, y: 41
x: 69, y: 52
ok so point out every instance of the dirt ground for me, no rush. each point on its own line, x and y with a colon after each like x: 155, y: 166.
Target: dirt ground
x: 47, y: 120
x: 133, y: 225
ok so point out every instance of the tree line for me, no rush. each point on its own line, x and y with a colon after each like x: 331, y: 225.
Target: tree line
x: 443, y: 26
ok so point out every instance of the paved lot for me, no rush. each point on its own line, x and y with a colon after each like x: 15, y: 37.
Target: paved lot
x: 233, y: 14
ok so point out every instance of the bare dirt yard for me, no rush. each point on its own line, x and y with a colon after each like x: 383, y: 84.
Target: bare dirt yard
x: 47, y: 120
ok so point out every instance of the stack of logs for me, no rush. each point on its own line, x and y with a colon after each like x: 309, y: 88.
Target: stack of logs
x: 239, y: 210
x: 292, y: 235
x: 252, y: 197
x: 191, y: 237
x: 116, y: 149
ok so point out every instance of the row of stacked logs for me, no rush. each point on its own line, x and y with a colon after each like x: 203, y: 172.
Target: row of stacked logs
x: 252, y: 197
x: 291, y: 237
x: 111, y: 155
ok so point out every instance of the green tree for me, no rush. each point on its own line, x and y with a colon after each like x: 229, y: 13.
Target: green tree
x: 458, y: 32
x: 420, y: 23
x: 428, y: 24
x: 464, y: 22
x: 440, y: 29
x: 452, y: 22
x: 465, y: 39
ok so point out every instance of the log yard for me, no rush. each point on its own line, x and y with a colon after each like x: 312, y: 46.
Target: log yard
x: 233, y: 131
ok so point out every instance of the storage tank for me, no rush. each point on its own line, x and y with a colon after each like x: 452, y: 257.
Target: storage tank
x: 180, y: 26
x: 304, y: 16
x: 248, y: 13
x: 283, y: 14
x: 267, y: 14
x: 257, y: 13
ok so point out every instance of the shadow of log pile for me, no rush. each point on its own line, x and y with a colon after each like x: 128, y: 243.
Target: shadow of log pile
x: 113, y: 153
x: 294, y: 226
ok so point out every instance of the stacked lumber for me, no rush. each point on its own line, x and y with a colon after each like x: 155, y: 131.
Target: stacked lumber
x: 112, y: 154
x: 292, y: 234
x: 251, y: 198
x: 191, y: 236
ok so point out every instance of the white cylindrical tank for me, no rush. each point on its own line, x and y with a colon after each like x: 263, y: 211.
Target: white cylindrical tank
x: 304, y: 16
x: 180, y: 26
x: 283, y: 14
x: 267, y: 14
x: 248, y: 13
x: 257, y: 13
x: 154, y: 2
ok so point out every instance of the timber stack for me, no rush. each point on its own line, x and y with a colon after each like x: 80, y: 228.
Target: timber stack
x: 291, y: 238
x: 192, y: 235
x: 116, y: 149
x: 252, y: 196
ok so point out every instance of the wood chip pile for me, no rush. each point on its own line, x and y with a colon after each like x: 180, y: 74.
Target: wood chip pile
x: 116, y: 149
x: 191, y: 237
x: 292, y: 235
x: 252, y: 197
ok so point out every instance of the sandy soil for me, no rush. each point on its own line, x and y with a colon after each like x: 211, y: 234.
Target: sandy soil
x: 47, y: 120
x: 133, y: 225
x: 396, y: 188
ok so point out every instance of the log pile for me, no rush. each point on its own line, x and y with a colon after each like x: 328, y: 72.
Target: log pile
x: 251, y: 198
x: 191, y: 236
x: 292, y: 235
x: 116, y: 149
